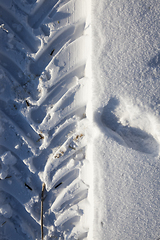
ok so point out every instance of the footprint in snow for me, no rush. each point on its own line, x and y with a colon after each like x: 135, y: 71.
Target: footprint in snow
x: 116, y: 117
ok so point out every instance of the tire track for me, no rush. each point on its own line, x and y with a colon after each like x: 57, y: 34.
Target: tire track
x: 19, y: 211
x: 48, y: 140
x: 59, y: 4
x: 17, y: 76
x: 13, y: 69
x: 21, y: 172
x: 24, y: 224
x: 55, y: 93
x: 43, y: 10
x: 21, y: 32
x: 18, y: 121
x: 78, y: 112
x: 58, y: 42
x: 57, y: 139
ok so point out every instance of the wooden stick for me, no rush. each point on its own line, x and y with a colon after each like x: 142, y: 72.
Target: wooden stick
x: 42, y: 199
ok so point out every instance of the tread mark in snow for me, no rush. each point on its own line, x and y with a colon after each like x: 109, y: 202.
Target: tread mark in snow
x: 45, y: 143
x: 22, y: 33
x: 37, y: 17
x: 57, y: 140
x: 58, y: 42
x: 13, y: 69
x: 18, y: 121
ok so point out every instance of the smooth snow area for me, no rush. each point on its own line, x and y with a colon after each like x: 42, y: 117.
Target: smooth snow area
x: 126, y: 119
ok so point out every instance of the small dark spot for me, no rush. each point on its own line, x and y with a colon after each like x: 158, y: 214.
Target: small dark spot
x: 52, y: 52
x: 27, y: 103
x: 58, y: 185
x: 15, y: 106
x: 6, y: 177
x: 41, y: 137
x: 72, y: 147
x: 61, y: 153
x: 28, y: 186
x: 79, y: 136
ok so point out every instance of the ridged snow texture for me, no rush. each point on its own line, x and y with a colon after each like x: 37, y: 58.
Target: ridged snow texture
x: 42, y: 107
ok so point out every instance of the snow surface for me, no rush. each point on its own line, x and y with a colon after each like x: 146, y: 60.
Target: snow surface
x: 44, y: 80
x: 6, y: 160
x: 80, y: 112
x: 126, y: 119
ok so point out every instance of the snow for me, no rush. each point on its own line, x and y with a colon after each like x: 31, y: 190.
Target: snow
x: 6, y: 211
x: 125, y: 102
x: 6, y: 160
x: 80, y: 115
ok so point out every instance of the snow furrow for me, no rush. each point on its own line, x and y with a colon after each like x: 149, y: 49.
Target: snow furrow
x: 18, y: 121
x: 24, y: 224
x: 52, y: 98
x: 57, y: 139
x: 13, y: 69
x: 55, y: 93
x: 38, y: 16
x: 75, y: 112
x: 21, y: 32
x: 74, y: 199
x: 58, y: 43
x: 59, y: 4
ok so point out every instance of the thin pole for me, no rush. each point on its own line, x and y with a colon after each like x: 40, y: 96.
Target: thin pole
x: 42, y: 198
